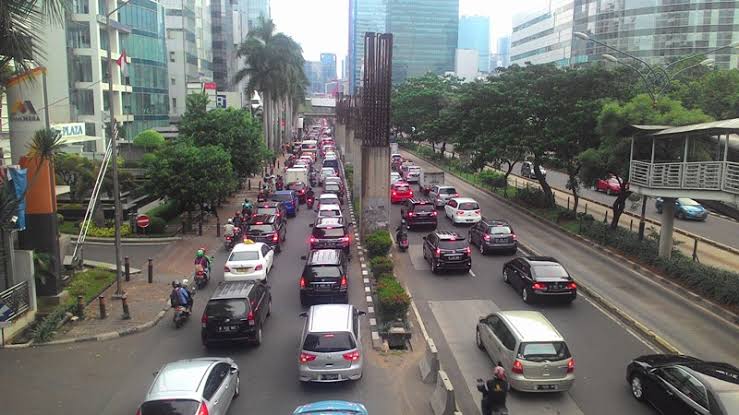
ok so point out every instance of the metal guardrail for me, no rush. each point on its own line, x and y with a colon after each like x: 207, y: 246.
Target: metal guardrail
x: 17, y: 299
x: 700, y: 175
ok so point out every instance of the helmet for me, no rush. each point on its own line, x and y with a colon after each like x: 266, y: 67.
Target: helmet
x: 230, y: 220
x: 185, y: 282
x: 174, y: 284
x: 177, y: 284
x: 200, y: 253
x: 499, y: 372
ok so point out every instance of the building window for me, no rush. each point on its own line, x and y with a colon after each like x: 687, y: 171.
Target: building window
x: 171, y: 57
x: 172, y: 81
x: 84, y: 101
x: 79, y: 34
x: 82, y: 68
x: 174, y: 104
x: 81, y: 6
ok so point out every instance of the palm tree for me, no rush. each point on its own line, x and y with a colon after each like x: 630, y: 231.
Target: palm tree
x: 272, y: 62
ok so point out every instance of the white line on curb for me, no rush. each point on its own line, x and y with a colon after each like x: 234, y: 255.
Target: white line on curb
x: 371, y: 310
x: 366, y: 280
x: 367, y: 290
x: 364, y: 272
x: 373, y: 321
x: 472, y: 274
x: 368, y: 299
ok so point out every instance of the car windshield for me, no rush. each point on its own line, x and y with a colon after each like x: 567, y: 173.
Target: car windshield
x: 328, y: 171
x: 687, y: 202
x: 331, y: 187
x: 244, y: 256
x: 170, y: 407
x: 328, y: 342
x: 329, y: 213
x: 260, y: 229
x: 500, y: 230
x: 541, y: 351
x: 468, y: 206
x: 325, y: 272
x: 328, y: 232
x: 267, y: 211
x: 448, y: 244
x: 282, y: 197
x: 550, y: 271
x: 424, y: 208
x: 226, y: 308
x: 447, y: 191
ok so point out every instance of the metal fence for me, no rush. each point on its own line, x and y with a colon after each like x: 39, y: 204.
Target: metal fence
x: 17, y: 299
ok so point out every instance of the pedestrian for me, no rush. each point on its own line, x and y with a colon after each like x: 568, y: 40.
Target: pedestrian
x: 494, y: 392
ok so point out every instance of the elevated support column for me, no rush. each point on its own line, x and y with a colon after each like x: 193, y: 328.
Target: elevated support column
x: 341, y: 138
x: 357, y: 163
x: 375, y: 188
x: 668, y: 224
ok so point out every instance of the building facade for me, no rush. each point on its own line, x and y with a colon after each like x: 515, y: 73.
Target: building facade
x: 328, y: 67
x: 474, y: 33
x: 364, y: 16
x: 148, y: 73
x: 543, y: 36
x: 222, y: 36
x: 312, y: 71
x: 466, y: 64
x: 504, y: 52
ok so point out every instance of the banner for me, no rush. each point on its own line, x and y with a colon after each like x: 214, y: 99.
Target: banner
x: 25, y: 93
x: 19, y: 179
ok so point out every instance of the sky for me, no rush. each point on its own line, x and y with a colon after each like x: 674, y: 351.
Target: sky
x: 322, y: 26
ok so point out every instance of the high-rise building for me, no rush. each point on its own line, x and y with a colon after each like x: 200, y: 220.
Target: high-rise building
x: 466, y: 64
x: 474, y: 33
x: 504, y: 52
x: 543, y: 36
x: 364, y: 16
x: 189, y: 46
x: 246, y: 15
x: 221, y: 25
x: 328, y: 67
x: 148, y: 72
x: 312, y: 71
x: 255, y: 9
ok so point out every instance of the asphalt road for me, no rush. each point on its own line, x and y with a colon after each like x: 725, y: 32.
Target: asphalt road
x: 112, y: 377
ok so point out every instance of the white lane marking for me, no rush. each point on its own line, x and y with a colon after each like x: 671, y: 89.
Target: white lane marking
x: 472, y: 274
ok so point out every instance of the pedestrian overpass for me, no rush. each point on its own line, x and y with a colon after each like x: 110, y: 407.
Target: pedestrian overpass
x: 319, y: 108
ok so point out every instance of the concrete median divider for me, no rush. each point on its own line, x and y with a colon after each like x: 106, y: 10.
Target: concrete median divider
x: 442, y: 400
x: 429, y: 364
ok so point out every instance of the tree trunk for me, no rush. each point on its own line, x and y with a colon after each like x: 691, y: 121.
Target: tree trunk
x: 574, y: 186
x: 443, y: 148
x: 265, y: 117
x: 618, y: 207
x: 549, y: 196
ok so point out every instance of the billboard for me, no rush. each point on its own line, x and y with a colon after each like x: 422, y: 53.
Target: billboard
x: 25, y: 94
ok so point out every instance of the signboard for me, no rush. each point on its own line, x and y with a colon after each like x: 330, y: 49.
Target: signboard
x: 142, y: 221
x: 221, y: 101
x: 209, y: 85
x: 70, y: 130
x: 25, y: 96
x: 5, y: 312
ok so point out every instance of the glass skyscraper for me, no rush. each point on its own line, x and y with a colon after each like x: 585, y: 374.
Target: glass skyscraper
x: 504, y: 52
x: 474, y: 33
x: 148, y: 76
x: 222, y: 30
x: 364, y: 16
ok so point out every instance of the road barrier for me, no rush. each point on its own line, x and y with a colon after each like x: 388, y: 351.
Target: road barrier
x: 442, y: 400
x: 429, y: 364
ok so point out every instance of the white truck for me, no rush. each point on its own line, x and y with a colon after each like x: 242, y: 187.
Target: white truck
x: 296, y: 174
x: 430, y: 178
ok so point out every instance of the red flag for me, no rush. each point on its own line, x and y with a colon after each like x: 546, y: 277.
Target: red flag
x: 121, y: 61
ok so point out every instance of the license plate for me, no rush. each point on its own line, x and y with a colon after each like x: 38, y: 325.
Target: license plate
x: 501, y: 240
x: 323, y: 288
x: 453, y: 257
x: 226, y: 329
x: 546, y: 387
x: 242, y: 269
x: 332, y: 376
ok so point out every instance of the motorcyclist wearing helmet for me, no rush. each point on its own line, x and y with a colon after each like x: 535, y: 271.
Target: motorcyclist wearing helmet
x: 494, y: 392
x: 400, y: 231
x: 202, y: 260
x: 246, y: 207
x: 237, y: 219
x: 189, y: 293
x: 228, y: 228
x: 310, y: 194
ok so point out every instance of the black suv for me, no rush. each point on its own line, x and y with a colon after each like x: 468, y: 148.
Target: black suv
x: 266, y: 228
x: 539, y: 276
x: 446, y: 250
x: 330, y: 233
x: 236, y: 312
x: 324, y: 276
x: 493, y: 235
x: 272, y: 208
x: 419, y: 212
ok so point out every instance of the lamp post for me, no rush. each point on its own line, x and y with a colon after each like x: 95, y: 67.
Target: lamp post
x: 114, y: 152
x: 657, y: 80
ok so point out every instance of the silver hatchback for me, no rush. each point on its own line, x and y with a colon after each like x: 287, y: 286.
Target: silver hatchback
x: 190, y: 387
x: 331, y: 344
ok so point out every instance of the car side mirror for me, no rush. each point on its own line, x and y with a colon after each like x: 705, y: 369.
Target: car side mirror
x: 234, y: 369
x: 303, y: 314
x: 304, y: 257
x: 310, y: 225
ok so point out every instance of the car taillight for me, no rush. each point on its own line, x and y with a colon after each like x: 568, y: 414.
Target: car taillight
x: 411, y: 193
x: 312, y: 240
x: 258, y: 267
x: 467, y: 250
x: 434, y: 213
x: 306, y: 357
x: 410, y: 214
x: 486, y: 237
x: 395, y: 193
x: 571, y: 365
x: 477, y: 212
x: 514, y: 236
x: 572, y: 286
x: 459, y: 213
x: 275, y: 238
x: 204, y: 320
x: 250, y: 318
x: 343, y: 281
x: 352, y: 356
x: 226, y: 269
x: 517, y: 367
x: 455, y: 195
x: 539, y: 286
x: 345, y: 239
x: 228, y: 238
x: 302, y: 282
x: 202, y: 410
x: 437, y: 253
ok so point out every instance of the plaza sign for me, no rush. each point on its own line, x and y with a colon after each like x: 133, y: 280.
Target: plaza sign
x: 69, y: 130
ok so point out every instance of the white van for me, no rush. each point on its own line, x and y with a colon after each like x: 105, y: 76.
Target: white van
x: 296, y: 174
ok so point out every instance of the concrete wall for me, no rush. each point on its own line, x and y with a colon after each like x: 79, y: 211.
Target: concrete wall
x: 23, y: 272
x: 375, y: 188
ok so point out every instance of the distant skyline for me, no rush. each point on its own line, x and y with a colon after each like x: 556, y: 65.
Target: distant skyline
x: 324, y: 29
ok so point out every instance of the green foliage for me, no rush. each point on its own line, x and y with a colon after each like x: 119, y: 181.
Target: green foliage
x: 381, y: 265
x: 157, y: 225
x: 148, y: 159
x: 716, y: 93
x: 492, y: 179
x: 392, y: 298
x: 149, y: 140
x: 532, y: 196
x: 59, y: 219
x: 77, y: 172
x: 45, y: 330
x: 378, y: 243
x: 167, y: 210
x: 108, y: 231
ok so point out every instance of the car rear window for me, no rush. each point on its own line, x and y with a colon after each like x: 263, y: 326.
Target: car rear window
x: 324, y: 272
x: 282, y: 197
x: 260, y: 229
x: 500, y: 230
x: 331, y: 186
x: 170, y: 407
x: 329, y: 213
x: 296, y: 186
x: 226, y: 308
x: 423, y: 208
x: 328, y: 232
x: 469, y: 206
x: 331, y: 163
x: 267, y: 211
x: 447, y: 244
x: 401, y: 188
x: 540, y: 351
x: 447, y: 191
x: 328, y: 342
x: 244, y: 256
x: 550, y: 271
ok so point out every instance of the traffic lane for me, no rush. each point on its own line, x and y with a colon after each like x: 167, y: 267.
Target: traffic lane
x: 602, y: 348
x: 716, y: 228
x: 691, y: 328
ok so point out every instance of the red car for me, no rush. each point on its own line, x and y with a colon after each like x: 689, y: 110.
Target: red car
x: 609, y: 185
x: 400, y: 192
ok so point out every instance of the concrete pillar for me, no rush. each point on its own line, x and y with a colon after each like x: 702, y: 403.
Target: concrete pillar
x: 375, y: 188
x: 668, y: 223
x: 348, y: 144
x: 357, y: 163
x: 341, y: 138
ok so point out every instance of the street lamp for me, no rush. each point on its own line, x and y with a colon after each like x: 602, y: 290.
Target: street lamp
x: 114, y: 152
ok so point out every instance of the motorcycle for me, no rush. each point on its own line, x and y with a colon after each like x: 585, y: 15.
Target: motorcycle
x: 246, y: 209
x: 180, y: 316
x: 202, y: 276
x: 309, y: 202
x: 402, y: 238
x: 279, y: 185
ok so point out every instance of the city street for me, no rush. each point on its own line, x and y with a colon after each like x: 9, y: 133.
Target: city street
x: 450, y: 305
x: 112, y: 377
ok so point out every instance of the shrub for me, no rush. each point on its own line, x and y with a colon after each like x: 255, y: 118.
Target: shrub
x: 157, y: 225
x: 392, y: 298
x: 492, y: 179
x: 167, y: 210
x: 378, y: 243
x: 108, y: 232
x: 149, y: 139
x: 533, y: 197
x: 381, y: 265
x: 148, y: 159
x: 59, y: 219
x: 89, y: 284
x: 44, y: 331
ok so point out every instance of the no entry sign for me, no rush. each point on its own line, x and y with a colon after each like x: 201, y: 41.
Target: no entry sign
x: 142, y: 221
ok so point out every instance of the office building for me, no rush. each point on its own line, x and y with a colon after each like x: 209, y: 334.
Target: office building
x: 222, y: 36
x: 312, y: 71
x: 503, y: 53
x: 661, y: 31
x: 148, y: 75
x: 364, y: 16
x: 246, y: 15
x: 543, y: 36
x: 189, y: 46
x: 328, y: 67
x: 466, y: 64
x: 474, y: 33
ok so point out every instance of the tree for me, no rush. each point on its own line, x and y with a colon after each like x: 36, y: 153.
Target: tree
x: 76, y: 172
x: 149, y: 139
x: 716, y: 93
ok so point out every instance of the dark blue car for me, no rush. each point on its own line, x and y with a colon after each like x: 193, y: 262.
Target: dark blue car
x: 289, y: 200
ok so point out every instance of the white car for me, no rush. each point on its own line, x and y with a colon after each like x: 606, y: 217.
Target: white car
x: 327, y: 199
x: 462, y: 210
x: 249, y: 262
x: 394, y: 177
x: 330, y: 155
x: 327, y: 172
x: 330, y: 211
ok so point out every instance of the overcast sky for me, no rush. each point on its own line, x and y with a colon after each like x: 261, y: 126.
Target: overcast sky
x: 321, y: 26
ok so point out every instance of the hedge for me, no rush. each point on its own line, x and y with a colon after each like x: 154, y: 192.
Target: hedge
x: 392, y: 298
x: 107, y: 232
x: 157, y: 225
x: 381, y: 265
x: 167, y: 210
x: 378, y: 243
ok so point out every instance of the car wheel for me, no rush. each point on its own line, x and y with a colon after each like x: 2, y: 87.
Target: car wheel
x: 269, y: 308
x: 526, y: 295
x: 680, y: 215
x: 434, y: 267
x: 258, y: 338
x: 637, y: 387
x: 237, y: 390
x: 505, y: 277
x: 478, y: 340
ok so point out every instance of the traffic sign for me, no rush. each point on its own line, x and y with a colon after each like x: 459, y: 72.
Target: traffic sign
x: 5, y: 312
x: 142, y: 221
